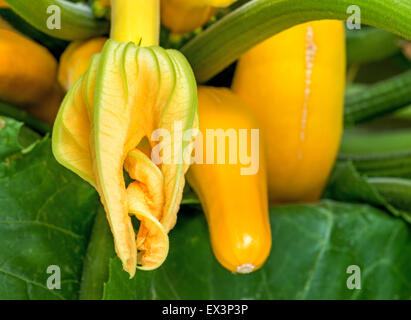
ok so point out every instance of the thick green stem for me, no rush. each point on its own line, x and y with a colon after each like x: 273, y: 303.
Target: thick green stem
x: 96, y: 262
x: 396, y: 191
x: 224, y: 42
x: 77, y: 20
x: 381, y: 154
x: 23, y: 116
x: 377, y: 100
x: 136, y: 20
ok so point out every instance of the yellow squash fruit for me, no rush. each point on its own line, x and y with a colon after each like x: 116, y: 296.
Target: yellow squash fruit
x: 75, y: 60
x: 235, y: 204
x: 294, y: 84
x: 27, y: 70
x: 4, y: 24
x: 182, y: 16
x: 47, y: 108
x: 3, y: 4
x: 126, y: 95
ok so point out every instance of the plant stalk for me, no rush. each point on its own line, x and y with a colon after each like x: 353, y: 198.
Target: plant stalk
x: 77, y: 21
x: 23, y: 116
x: 379, y: 154
x: 96, y: 263
x: 136, y: 20
x: 396, y: 191
x: 379, y: 99
x: 220, y: 45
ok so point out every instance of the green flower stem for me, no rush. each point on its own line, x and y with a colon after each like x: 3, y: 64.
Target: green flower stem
x: 371, y: 44
x: 96, y: 263
x: 23, y: 116
x: 379, y: 154
x: 77, y: 19
x: 224, y: 42
x: 379, y: 99
x: 397, y: 191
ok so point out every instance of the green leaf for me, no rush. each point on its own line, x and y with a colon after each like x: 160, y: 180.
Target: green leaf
x: 121, y: 287
x: 9, y: 137
x: 45, y: 218
x: 224, y: 42
x: 46, y: 215
x: 313, y: 245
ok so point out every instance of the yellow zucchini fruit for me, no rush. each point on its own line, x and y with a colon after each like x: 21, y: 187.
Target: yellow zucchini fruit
x: 182, y: 16
x: 236, y: 205
x: 294, y: 84
x: 76, y: 58
x: 126, y: 95
x: 28, y: 71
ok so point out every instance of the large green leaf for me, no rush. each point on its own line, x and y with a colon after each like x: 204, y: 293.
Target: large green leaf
x: 45, y: 217
x: 46, y: 214
x: 313, y: 245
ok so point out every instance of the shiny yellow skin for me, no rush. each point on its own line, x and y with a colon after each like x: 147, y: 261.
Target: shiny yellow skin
x: 182, y: 16
x: 299, y: 106
x: 236, y: 206
x: 27, y: 70
x: 75, y: 60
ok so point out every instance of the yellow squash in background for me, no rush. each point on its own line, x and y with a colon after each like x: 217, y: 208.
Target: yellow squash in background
x: 187, y: 15
x: 235, y: 205
x: 294, y: 84
x: 76, y: 58
x: 47, y: 108
x: 27, y: 70
x: 28, y: 74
